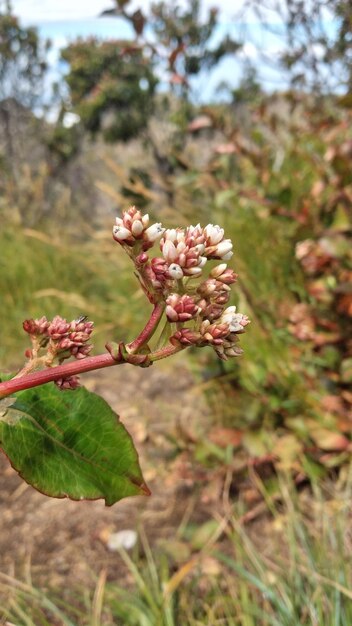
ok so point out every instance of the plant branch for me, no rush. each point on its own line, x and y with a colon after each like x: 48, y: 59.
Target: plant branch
x: 51, y: 374
x: 55, y: 373
x: 149, y: 329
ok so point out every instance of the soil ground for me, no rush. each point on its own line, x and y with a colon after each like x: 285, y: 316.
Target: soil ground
x: 64, y: 542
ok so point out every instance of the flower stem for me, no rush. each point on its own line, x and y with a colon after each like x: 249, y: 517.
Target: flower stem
x: 55, y: 373
x: 149, y: 329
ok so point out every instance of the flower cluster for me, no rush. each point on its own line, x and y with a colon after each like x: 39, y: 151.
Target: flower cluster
x: 133, y: 228
x: 60, y: 339
x: 194, y: 296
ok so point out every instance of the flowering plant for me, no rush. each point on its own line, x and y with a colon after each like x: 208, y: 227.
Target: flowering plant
x: 72, y: 444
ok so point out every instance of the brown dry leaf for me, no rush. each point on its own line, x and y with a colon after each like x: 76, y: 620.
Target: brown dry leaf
x: 318, y: 188
x: 333, y: 404
x: 344, y: 304
x: 200, y: 122
x: 224, y: 437
x: 226, y: 148
x: 322, y: 339
x: 329, y: 440
x: 287, y: 449
x: 210, y: 566
x: 302, y: 323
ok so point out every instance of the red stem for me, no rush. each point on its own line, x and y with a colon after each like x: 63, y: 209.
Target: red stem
x: 148, y: 330
x: 54, y: 373
x: 77, y: 367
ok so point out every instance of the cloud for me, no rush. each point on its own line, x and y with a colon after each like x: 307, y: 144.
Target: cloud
x: 35, y: 11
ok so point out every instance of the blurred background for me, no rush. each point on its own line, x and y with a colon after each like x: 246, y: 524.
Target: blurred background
x: 195, y: 112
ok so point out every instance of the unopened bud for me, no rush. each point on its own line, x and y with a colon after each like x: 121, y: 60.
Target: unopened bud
x: 69, y: 382
x: 223, y: 248
x: 137, y: 228
x: 141, y: 259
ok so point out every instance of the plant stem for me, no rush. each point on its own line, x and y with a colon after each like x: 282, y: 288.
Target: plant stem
x: 55, y: 373
x: 148, y: 331
x: 50, y: 374
x: 163, y: 353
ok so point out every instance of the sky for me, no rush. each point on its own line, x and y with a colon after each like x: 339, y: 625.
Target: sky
x: 35, y: 11
x: 62, y: 21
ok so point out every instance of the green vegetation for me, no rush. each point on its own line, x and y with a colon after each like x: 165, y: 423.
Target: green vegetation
x: 64, y: 276
x: 275, y: 172
x: 291, y: 568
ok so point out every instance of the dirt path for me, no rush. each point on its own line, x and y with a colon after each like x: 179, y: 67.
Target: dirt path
x: 63, y: 542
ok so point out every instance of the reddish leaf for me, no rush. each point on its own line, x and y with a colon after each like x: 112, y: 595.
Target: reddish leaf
x: 329, y: 440
x: 200, y: 122
x: 224, y: 437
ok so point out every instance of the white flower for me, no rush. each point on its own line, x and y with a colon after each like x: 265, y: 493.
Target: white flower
x: 175, y: 271
x: 227, y: 257
x: 169, y: 251
x: 121, y: 233
x: 145, y: 220
x: 153, y: 232
x: 235, y: 321
x: 137, y: 228
x: 214, y: 234
x: 223, y: 248
x: 194, y: 271
x: 218, y: 270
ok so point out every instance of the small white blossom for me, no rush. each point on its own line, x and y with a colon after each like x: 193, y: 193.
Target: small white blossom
x: 169, y: 251
x: 121, y: 233
x: 175, y: 271
x: 194, y: 271
x: 223, y: 248
x: 218, y: 270
x: 153, y: 232
x: 145, y: 220
x: 235, y: 321
x: 214, y: 234
x: 137, y: 228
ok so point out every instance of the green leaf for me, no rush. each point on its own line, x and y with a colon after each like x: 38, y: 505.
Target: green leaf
x: 70, y: 444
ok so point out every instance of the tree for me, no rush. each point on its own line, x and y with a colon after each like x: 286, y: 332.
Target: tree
x: 22, y: 59
x: 111, y: 85
x: 22, y: 70
x: 180, y: 41
x: 316, y: 37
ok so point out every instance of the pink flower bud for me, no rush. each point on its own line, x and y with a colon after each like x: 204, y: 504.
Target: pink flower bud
x: 181, y: 308
x: 58, y: 328
x: 214, y: 333
x: 81, y: 352
x: 69, y: 382
x: 224, y: 274
x: 141, y: 259
x: 186, y: 337
x: 36, y: 327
